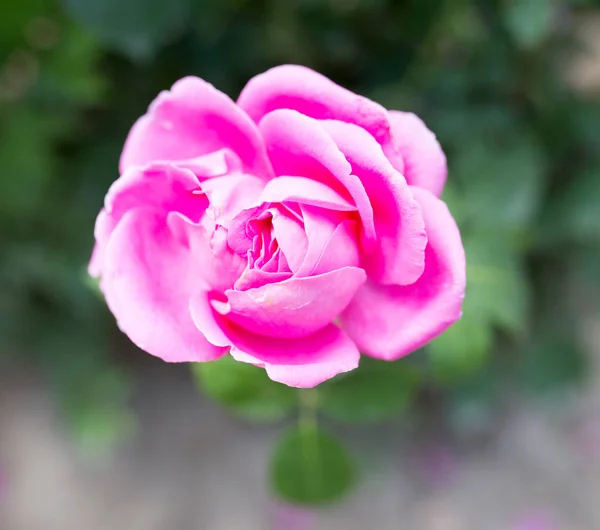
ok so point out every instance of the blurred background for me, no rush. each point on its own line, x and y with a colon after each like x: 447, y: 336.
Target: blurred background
x: 495, y: 426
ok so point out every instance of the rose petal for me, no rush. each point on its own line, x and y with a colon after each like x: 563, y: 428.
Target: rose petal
x: 158, y: 185
x: 302, y: 363
x: 254, y: 278
x: 295, y: 307
x: 388, y: 322
x: 304, y: 191
x: 424, y: 161
x: 193, y: 119
x: 340, y: 355
x: 147, y: 280
x: 299, y: 145
x: 401, y: 237
x: 290, y: 237
x: 230, y: 194
x: 161, y: 186
x: 314, y: 95
x: 331, y: 242
x: 214, y: 262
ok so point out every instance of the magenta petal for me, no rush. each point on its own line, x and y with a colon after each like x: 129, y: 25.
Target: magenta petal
x: 161, y: 186
x: 230, y: 194
x: 304, y: 191
x: 158, y: 185
x: 338, y: 355
x: 147, y: 280
x: 424, y: 161
x: 212, y: 165
x: 299, y: 145
x: 214, y: 262
x: 389, y: 322
x: 102, y: 230
x: 220, y: 331
x: 399, y: 225
x: 294, y: 307
x: 331, y: 240
x: 291, y: 238
x: 190, y: 120
x: 314, y: 95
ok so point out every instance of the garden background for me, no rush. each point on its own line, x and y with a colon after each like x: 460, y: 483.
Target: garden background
x: 511, y: 88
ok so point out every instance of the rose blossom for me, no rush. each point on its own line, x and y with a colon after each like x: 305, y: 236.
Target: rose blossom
x: 293, y: 229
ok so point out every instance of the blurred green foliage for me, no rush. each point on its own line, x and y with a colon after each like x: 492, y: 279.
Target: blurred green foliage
x: 488, y: 76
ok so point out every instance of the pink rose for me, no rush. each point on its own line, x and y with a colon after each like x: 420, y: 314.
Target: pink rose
x: 292, y: 229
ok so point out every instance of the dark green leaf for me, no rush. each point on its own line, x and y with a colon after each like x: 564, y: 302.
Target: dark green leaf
x: 136, y: 27
x: 497, y: 289
x: 552, y: 362
x: 573, y: 213
x: 245, y: 389
x: 502, y: 184
x: 462, y: 349
x: 310, y: 467
x: 529, y: 21
x: 373, y: 392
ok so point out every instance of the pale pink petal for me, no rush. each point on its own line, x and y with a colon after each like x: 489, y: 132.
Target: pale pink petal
x: 314, y: 95
x: 331, y: 238
x: 230, y: 194
x: 329, y: 347
x: 424, y: 161
x: 214, y: 262
x: 389, y: 322
x: 294, y: 307
x: 291, y: 238
x: 161, y: 186
x: 214, y: 164
x: 102, y: 230
x: 340, y: 356
x: 148, y: 279
x: 190, y: 120
x: 299, y: 145
x: 158, y: 185
x: 304, y: 191
x: 399, y: 225
x: 254, y: 278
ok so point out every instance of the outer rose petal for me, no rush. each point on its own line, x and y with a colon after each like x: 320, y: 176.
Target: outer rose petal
x: 161, y: 186
x: 148, y: 279
x: 294, y: 307
x: 303, y: 362
x: 388, y: 322
x: 399, y: 223
x: 341, y: 356
x: 424, y: 161
x: 314, y: 95
x: 190, y: 120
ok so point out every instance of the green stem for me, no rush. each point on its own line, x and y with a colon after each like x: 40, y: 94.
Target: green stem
x: 307, y: 424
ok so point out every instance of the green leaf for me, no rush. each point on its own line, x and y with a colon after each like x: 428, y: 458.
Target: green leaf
x: 497, y: 296
x: 373, y: 392
x: 98, y: 430
x: 573, y: 212
x: 310, y: 467
x: 529, y: 21
x: 502, y: 184
x: 137, y: 28
x: 245, y: 389
x: 552, y: 362
x: 462, y: 349
x: 472, y: 405
x: 497, y: 289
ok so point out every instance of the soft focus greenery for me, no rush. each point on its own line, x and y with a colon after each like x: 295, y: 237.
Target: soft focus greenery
x: 488, y: 76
